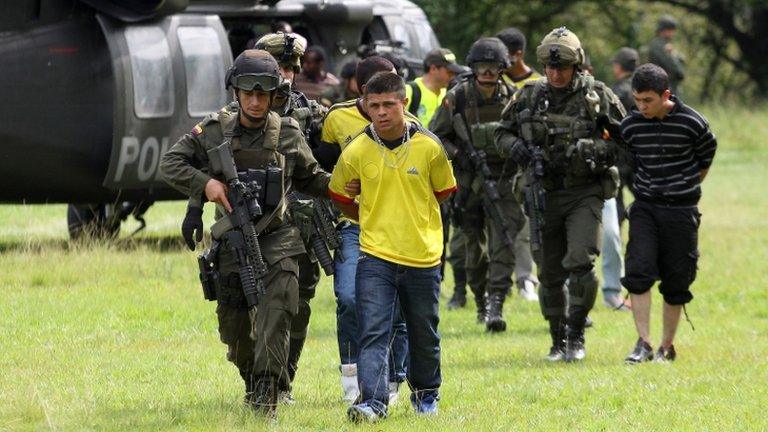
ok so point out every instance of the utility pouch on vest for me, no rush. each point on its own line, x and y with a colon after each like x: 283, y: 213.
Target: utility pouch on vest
x: 610, y: 182
x: 482, y: 136
x: 268, y: 183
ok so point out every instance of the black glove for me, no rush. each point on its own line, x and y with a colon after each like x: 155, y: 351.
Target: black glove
x: 192, y: 224
x: 520, y: 153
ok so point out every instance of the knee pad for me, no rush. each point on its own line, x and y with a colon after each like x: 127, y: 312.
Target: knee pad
x: 582, y: 289
x: 552, y: 301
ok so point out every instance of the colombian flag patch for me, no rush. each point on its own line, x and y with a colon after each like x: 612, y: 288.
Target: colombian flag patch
x: 197, y: 130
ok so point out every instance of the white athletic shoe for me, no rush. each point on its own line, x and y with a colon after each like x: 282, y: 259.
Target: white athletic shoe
x: 528, y: 291
x: 349, y: 383
x: 394, y: 392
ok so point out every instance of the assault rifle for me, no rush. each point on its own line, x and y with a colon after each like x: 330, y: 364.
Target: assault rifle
x: 491, y: 196
x: 535, y: 194
x: 236, y: 229
x: 321, y: 229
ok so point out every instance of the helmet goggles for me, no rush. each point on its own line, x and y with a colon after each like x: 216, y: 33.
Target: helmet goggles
x: 482, y: 68
x: 262, y: 82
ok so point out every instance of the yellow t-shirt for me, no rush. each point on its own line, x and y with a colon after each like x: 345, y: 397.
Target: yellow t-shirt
x: 519, y: 84
x: 399, y: 211
x: 428, y: 103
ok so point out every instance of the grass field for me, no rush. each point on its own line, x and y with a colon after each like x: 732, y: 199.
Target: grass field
x: 117, y: 336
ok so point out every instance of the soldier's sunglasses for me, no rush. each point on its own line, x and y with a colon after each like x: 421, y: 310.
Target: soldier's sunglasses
x: 263, y: 82
x: 483, y: 68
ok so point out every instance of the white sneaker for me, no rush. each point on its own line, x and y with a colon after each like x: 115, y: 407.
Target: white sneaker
x: 349, y: 382
x: 528, y: 291
x: 394, y: 392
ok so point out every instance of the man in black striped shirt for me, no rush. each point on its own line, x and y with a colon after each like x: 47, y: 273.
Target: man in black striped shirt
x: 672, y: 149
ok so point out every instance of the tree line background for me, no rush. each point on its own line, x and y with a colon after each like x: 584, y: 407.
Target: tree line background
x: 724, y: 42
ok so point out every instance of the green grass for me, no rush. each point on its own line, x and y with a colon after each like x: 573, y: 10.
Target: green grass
x: 117, y: 336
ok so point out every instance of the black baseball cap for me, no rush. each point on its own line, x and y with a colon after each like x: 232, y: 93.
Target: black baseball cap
x: 442, y: 57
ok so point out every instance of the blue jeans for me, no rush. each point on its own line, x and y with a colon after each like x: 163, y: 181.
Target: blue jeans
x: 379, y: 285
x: 346, y: 316
x: 613, y: 265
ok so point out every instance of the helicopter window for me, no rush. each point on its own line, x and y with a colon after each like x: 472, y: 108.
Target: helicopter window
x: 425, y: 37
x: 398, y: 31
x: 151, y: 70
x: 204, y: 69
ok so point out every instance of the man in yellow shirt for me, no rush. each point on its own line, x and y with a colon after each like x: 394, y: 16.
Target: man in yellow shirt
x: 404, y: 174
x: 342, y: 124
x: 426, y: 92
x: 518, y: 72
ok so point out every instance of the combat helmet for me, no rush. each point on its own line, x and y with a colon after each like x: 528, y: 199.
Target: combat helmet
x: 561, y: 47
x: 254, y: 70
x: 488, y: 50
x: 286, y: 48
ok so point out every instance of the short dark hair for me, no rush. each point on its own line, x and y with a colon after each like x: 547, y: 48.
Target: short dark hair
x: 369, y: 66
x: 317, y: 50
x: 385, y: 82
x: 650, y: 76
x: 513, y: 38
x: 349, y: 69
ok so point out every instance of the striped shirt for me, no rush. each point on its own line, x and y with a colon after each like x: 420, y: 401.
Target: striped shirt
x: 669, y: 154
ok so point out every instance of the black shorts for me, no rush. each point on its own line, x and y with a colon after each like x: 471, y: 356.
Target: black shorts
x: 663, y: 245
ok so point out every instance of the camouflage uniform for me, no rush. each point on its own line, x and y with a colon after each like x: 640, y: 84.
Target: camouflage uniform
x: 258, y: 338
x: 481, y: 117
x: 574, y: 180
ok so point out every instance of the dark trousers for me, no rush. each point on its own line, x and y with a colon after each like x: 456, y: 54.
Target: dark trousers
x: 379, y: 285
x: 663, y: 245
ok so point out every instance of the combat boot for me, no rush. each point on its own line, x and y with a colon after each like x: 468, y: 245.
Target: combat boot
x: 457, y: 301
x: 574, y: 343
x: 249, y: 383
x: 495, y: 321
x: 557, y: 333
x: 265, y: 396
x: 481, y: 309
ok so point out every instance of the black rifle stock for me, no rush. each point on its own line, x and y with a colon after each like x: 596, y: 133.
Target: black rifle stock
x: 237, y: 228
x: 535, y: 194
x: 491, y: 194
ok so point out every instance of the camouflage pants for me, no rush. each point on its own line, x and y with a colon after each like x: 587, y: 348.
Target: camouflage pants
x: 571, y: 239
x: 257, y: 339
x: 309, y: 277
x: 501, y: 257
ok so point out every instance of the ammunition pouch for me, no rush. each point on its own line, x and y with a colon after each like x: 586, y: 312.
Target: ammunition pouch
x: 610, y: 182
x: 268, y: 183
x: 482, y: 137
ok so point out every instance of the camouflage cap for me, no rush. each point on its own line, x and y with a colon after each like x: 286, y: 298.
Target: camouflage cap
x: 286, y: 48
x: 561, y: 47
x: 627, y: 58
x: 666, y: 22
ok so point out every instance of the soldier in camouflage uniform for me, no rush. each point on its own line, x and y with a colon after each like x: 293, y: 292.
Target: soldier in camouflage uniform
x: 662, y: 52
x: 571, y: 118
x: 287, y: 50
x: 478, y: 101
x: 257, y: 338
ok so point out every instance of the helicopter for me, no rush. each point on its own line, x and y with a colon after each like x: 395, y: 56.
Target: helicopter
x: 95, y: 91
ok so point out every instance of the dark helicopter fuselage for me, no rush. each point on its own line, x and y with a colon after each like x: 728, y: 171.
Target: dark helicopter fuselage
x: 93, y: 92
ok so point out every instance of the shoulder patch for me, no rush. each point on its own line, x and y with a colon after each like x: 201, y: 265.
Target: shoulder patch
x: 197, y: 130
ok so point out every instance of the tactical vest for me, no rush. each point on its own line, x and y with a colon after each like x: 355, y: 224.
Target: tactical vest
x: 574, y: 150
x: 483, y: 117
x: 265, y: 157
